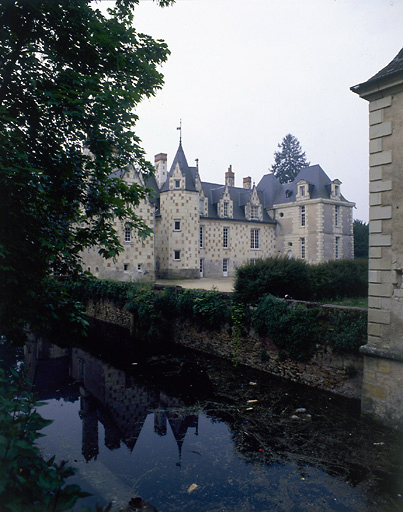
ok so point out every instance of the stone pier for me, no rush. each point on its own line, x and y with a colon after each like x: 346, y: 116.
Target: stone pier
x: 382, y: 393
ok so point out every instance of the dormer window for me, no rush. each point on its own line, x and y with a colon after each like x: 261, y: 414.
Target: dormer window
x: 177, y: 183
x: 225, y: 208
x: 201, y: 206
x: 303, y: 191
x: 254, y: 212
x: 336, y: 189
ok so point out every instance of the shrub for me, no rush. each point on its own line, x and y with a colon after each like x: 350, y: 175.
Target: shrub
x: 342, y: 278
x: 279, y: 276
x: 347, y: 330
x: 210, y: 308
x: 293, y: 328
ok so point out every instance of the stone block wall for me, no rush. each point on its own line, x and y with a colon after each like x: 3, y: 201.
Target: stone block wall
x: 239, y: 249
x: 383, y: 362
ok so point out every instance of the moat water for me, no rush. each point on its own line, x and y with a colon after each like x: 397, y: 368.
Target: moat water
x: 189, y: 433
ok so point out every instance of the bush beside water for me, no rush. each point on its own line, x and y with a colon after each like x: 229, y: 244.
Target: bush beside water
x: 296, y: 329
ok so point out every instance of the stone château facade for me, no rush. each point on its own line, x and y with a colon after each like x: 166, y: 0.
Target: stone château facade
x: 203, y: 229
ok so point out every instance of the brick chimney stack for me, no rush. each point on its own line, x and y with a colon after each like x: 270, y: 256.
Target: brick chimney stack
x: 247, y: 182
x: 230, y: 177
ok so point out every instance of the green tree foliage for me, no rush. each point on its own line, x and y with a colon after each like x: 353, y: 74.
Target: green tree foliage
x: 361, y: 239
x: 70, y: 79
x: 279, y: 276
x: 28, y: 483
x: 289, y: 160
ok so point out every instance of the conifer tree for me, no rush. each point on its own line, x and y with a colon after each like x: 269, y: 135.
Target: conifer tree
x: 290, y: 160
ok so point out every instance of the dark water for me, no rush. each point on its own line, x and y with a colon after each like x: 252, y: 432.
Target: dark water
x: 187, y: 433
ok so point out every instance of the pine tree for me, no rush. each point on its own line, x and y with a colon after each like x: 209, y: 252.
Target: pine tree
x: 290, y: 160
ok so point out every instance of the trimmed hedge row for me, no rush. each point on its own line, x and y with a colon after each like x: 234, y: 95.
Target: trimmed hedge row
x: 281, y: 276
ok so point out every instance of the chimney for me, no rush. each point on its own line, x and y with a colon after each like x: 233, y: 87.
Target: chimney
x: 229, y: 177
x: 247, y: 182
x: 160, y: 164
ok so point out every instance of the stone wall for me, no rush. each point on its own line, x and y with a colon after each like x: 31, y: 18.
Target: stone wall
x: 340, y: 374
x: 383, y: 376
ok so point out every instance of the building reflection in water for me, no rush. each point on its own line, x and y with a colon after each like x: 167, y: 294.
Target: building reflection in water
x: 107, y: 396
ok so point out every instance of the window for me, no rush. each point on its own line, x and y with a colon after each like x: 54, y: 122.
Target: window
x: 225, y: 267
x: 254, y: 212
x: 201, y: 239
x: 303, y: 215
x: 139, y: 267
x: 128, y: 233
x: 302, y: 248
x: 177, y: 183
x: 225, y: 208
x: 225, y: 238
x: 201, y: 267
x: 337, y: 248
x: 336, y: 190
x: 177, y: 225
x: 201, y: 206
x: 125, y: 267
x: 254, y: 239
x: 336, y: 215
x: 177, y: 255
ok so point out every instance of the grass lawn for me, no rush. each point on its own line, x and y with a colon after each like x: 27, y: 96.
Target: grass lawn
x: 356, y: 302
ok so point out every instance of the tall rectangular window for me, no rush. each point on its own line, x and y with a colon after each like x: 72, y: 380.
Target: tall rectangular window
x: 254, y: 212
x: 225, y: 267
x: 336, y: 215
x: 225, y: 238
x: 302, y: 190
x: 225, y: 208
x: 302, y: 248
x: 201, y: 206
x: 201, y: 238
x: 303, y: 215
x: 177, y: 225
x: 177, y: 255
x: 254, y: 239
x: 337, y: 248
x: 128, y: 233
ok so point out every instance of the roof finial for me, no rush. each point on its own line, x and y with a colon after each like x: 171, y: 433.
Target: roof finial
x: 180, y: 131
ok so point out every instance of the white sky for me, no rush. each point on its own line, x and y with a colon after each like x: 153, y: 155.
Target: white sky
x: 244, y: 73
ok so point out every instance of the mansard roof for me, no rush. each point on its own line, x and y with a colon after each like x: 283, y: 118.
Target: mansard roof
x: 188, y: 172
x: 239, y: 197
x: 275, y: 192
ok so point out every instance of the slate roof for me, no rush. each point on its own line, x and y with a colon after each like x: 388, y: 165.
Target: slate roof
x: 275, y: 192
x: 188, y: 172
x: 393, y: 69
x: 239, y: 197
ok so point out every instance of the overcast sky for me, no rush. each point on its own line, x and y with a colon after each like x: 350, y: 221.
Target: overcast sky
x: 244, y: 73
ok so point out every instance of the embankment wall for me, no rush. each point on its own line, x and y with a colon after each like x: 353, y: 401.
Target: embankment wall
x: 340, y: 374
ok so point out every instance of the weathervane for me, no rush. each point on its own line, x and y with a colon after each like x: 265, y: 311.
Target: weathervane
x: 180, y: 131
